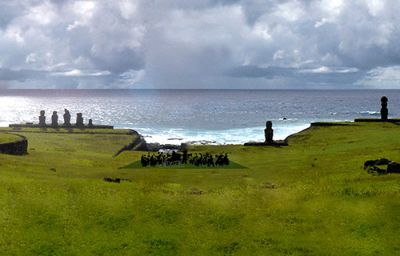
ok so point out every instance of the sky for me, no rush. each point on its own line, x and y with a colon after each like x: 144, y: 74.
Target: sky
x: 200, y: 44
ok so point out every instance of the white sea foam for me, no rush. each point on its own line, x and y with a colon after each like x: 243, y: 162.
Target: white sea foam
x: 370, y: 113
x: 229, y: 136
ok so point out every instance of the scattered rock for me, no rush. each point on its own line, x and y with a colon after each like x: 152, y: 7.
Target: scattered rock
x: 196, y: 191
x: 372, y: 166
x: 53, y: 169
x: 115, y: 180
x: 268, y: 185
x: 381, y: 161
x: 375, y: 169
x: 108, y: 179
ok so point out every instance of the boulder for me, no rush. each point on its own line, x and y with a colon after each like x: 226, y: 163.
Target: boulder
x: 393, y: 167
x: 381, y: 161
x: 372, y: 166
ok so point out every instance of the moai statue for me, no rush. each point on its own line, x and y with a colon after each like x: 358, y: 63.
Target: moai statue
x: 79, y: 120
x: 90, y: 124
x: 384, y: 109
x: 184, y: 149
x: 42, y: 119
x: 54, y: 119
x: 269, y: 133
x: 67, y: 118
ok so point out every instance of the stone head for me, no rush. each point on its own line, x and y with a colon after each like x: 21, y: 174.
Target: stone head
x: 384, y: 99
x: 42, y: 112
x: 269, y: 125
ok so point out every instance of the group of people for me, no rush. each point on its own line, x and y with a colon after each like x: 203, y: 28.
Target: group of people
x: 174, y: 158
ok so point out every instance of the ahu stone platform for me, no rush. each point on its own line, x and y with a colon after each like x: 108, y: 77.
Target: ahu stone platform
x: 276, y: 143
x: 377, y: 120
x: 31, y: 125
x: 17, y: 147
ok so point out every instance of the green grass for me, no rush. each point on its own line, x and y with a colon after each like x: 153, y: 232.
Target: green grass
x: 65, y: 130
x: 310, y: 198
x: 7, y: 137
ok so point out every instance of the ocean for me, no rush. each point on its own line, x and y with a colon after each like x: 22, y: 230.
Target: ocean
x: 199, y: 116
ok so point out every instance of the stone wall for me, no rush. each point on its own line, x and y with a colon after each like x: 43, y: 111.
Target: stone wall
x: 19, y: 147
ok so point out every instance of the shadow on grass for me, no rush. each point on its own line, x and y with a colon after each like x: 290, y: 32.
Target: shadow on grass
x: 138, y: 165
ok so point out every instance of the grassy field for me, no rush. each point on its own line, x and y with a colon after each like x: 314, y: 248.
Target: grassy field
x: 7, y: 137
x: 310, y: 198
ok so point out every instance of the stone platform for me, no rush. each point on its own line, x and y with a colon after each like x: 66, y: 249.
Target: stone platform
x: 276, y: 143
x: 327, y: 124
x: 377, y: 120
x: 18, y: 147
x: 30, y: 125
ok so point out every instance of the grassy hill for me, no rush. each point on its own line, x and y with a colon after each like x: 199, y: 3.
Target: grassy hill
x: 310, y: 198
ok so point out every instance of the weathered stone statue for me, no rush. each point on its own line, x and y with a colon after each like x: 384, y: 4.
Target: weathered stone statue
x: 67, y: 118
x: 54, y: 119
x: 384, y: 109
x: 90, y: 124
x: 42, y: 119
x: 269, y: 133
x: 79, y: 120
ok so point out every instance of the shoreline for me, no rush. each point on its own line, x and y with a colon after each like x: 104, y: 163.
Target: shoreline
x: 236, y: 136
x: 170, y: 139
x: 175, y: 140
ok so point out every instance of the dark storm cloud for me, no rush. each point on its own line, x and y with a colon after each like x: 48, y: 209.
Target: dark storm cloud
x: 20, y: 75
x: 200, y: 44
x: 321, y: 76
x: 256, y: 72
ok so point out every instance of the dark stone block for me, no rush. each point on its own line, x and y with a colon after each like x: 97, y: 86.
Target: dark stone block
x: 381, y: 161
x: 15, y: 148
x: 372, y: 166
x: 108, y: 179
x: 375, y: 169
x: 393, y: 167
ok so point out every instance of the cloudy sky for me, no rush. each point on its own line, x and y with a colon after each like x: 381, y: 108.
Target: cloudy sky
x: 257, y: 44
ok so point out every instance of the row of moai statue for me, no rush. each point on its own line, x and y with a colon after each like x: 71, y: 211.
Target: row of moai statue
x: 67, y: 119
